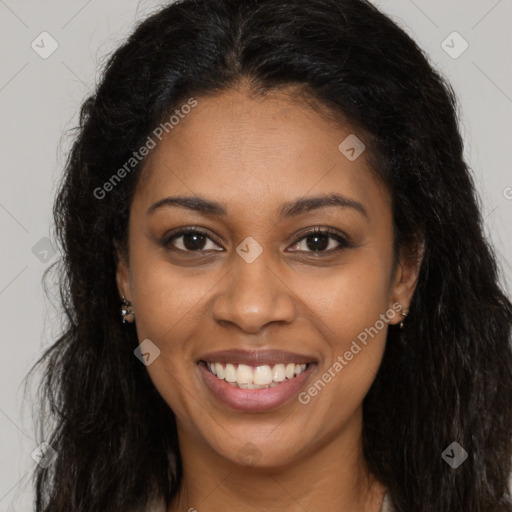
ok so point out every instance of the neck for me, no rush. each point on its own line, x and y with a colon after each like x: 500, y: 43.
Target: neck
x: 332, y: 472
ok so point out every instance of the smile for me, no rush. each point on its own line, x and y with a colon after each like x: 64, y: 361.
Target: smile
x: 255, y: 388
x: 255, y: 377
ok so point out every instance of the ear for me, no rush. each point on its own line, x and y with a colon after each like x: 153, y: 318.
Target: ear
x: 123, y: 278
x: 406, y: 277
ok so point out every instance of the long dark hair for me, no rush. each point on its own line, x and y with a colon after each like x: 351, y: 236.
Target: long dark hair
x: 445, y: 378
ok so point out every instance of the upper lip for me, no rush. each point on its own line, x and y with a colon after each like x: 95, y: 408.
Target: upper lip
x: 256, y: 357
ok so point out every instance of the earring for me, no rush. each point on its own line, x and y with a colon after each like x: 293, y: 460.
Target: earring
x: 127, y: 311
x: 404, y: 314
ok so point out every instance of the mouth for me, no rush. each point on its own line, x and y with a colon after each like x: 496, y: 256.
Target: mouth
x: 255, y: 381
x: 266, y: 376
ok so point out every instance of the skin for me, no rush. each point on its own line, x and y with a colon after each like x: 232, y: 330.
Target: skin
x: 253, y: 154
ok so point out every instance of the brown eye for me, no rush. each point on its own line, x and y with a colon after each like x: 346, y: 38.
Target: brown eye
x: 193, y: 240
x: 318, y: 241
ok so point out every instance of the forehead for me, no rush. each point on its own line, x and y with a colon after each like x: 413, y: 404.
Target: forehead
x: 255, y: 153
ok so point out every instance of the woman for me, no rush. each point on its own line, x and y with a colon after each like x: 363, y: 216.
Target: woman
x: 278, y: 289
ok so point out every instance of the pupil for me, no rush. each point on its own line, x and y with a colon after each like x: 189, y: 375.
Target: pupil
x: 197, y: 242
x: 317, y: 247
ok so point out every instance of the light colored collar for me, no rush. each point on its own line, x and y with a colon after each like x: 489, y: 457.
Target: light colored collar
x: 386, y: 504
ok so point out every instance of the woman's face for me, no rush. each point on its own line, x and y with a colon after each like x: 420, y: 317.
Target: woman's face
x: 303, y: 316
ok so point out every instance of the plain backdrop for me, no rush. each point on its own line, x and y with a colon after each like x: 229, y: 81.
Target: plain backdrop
x: 39, y: 103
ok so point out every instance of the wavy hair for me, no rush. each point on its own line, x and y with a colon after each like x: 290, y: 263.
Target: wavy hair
x: 447, y: 376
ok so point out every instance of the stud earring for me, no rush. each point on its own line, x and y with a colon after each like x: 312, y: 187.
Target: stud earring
x: 127, y: 311
x: 404, y: 314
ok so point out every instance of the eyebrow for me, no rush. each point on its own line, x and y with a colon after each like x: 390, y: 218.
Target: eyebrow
x: 294, y: 208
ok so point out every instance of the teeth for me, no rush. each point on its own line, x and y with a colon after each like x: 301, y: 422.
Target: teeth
x: 230, y: 373
x: 243, y: 374
x: 249, y: 377
x: 219, y: 370
x: 262, y: 375
x: 278, y: 373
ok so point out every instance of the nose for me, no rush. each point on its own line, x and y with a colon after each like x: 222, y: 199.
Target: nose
x: 253, y: 295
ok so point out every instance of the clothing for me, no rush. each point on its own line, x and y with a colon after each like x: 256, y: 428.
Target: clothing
x: 386, y: 506
x: 159, y: 507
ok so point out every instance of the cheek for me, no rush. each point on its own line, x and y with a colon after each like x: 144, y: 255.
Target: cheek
x: 352, y: 298
x: 168, y: 300
x: 351, y: 309
x: 168, y: 311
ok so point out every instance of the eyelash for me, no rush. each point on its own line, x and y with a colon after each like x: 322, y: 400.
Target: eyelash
x: 342, y: 240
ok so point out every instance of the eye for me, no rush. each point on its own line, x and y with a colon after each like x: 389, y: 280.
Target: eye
x: 318, y: 240
x: 194, y: 240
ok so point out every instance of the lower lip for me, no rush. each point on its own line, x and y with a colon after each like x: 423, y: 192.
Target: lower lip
x: 262, y: 399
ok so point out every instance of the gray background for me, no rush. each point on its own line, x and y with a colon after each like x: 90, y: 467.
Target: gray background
x: 39, y: 102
